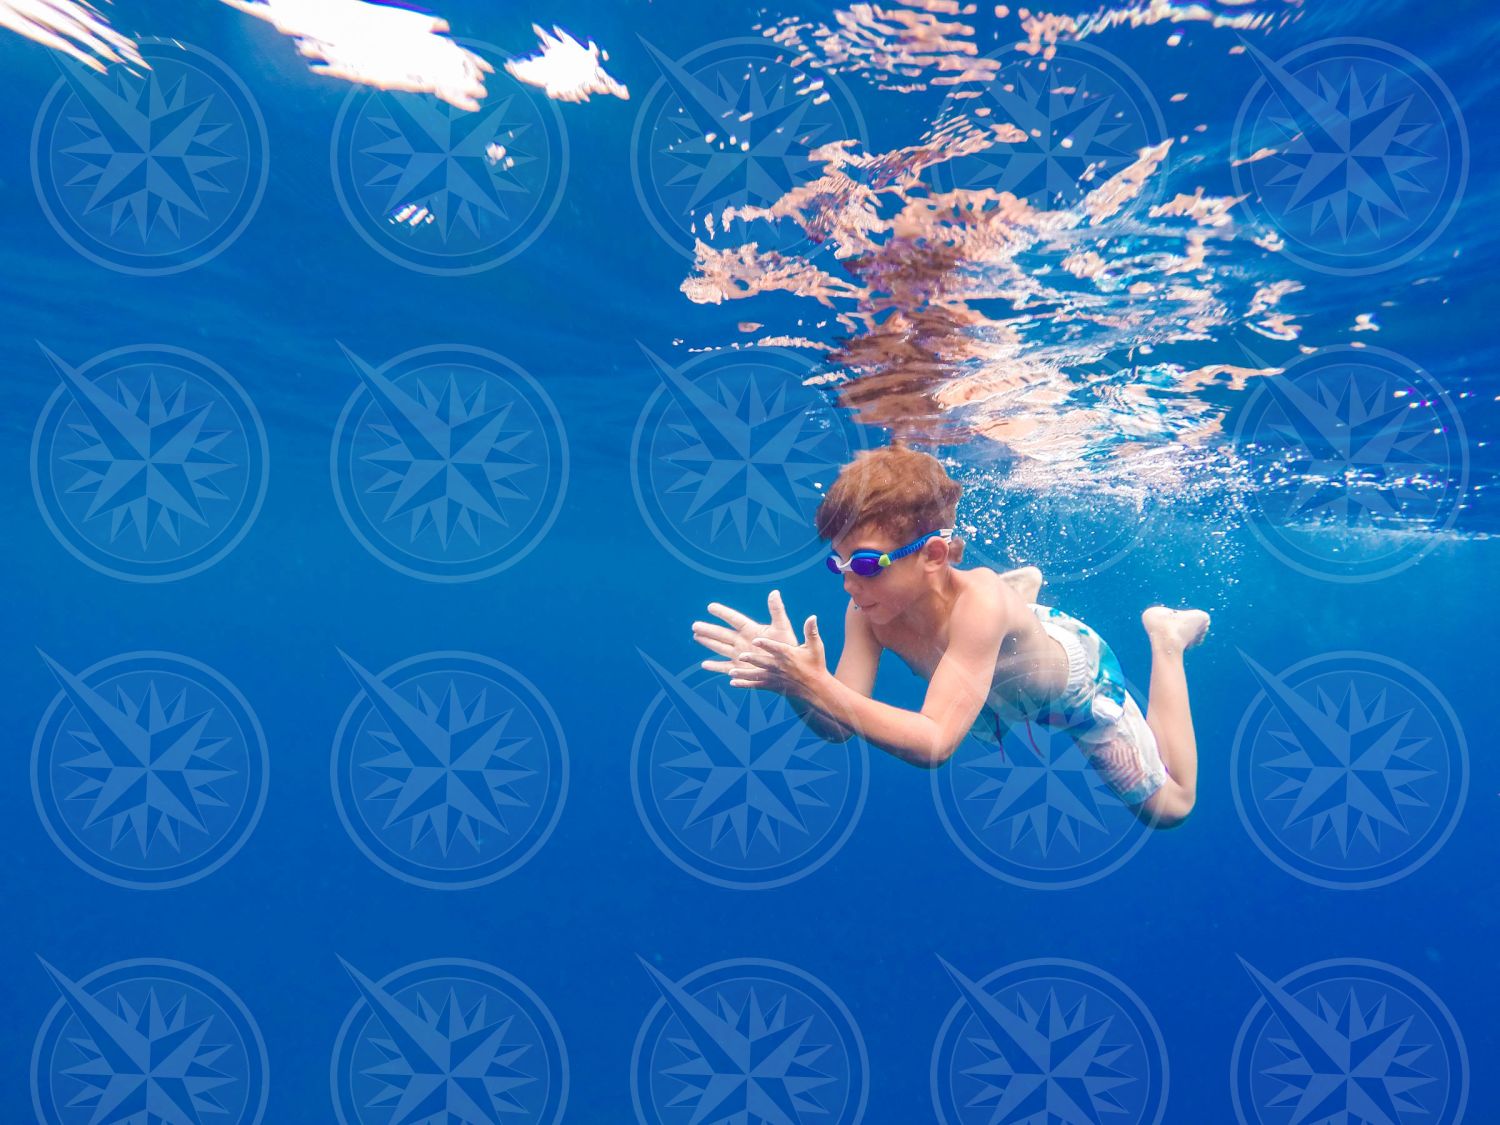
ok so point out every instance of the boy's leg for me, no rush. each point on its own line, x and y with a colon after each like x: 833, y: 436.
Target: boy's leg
x: 1168, y: 712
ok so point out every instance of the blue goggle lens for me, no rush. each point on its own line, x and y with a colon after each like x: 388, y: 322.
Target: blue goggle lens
x: 864, y: 565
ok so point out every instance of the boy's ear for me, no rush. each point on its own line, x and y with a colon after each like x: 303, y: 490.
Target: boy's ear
x: 937, y: 553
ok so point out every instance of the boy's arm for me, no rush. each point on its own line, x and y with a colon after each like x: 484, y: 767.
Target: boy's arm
x: 955, y: 695
x: 857, y: 665
x: 856, y: 669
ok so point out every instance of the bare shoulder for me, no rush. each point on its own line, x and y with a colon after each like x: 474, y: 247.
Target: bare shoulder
x: 986, y: 605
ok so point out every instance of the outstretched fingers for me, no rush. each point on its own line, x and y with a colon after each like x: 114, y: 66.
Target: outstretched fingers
x: 715, y: 638
x: 763, y: 653
x: 770, y: 645
x: 734, y: 617
x: 750, y: 659
x: 751, y: 669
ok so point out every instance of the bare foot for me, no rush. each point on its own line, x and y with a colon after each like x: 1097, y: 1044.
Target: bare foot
x: 1175, y: 629
x: 1024, y: 580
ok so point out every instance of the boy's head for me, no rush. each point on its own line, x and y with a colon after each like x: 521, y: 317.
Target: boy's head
x: 881, y: 501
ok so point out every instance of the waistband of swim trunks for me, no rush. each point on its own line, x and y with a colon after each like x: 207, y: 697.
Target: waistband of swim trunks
x: 1079, y: 675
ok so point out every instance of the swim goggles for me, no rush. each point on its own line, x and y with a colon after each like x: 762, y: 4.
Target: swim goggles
x: 867, y: 564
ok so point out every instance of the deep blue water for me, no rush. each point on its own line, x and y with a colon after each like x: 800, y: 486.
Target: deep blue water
x: 598, y: 598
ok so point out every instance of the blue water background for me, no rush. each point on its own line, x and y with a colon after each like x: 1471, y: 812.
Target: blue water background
x: 572, y: 615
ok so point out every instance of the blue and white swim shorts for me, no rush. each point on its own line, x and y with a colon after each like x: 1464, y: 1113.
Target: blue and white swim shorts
x: 1100, y: 714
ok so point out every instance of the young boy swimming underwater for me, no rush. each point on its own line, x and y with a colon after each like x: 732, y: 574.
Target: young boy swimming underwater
x: 977, y: 638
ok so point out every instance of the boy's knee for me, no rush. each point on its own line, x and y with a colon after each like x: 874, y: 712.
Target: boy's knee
x: 1168, y: 807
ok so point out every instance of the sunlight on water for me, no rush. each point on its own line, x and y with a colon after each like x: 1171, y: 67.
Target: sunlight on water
x: 1042, y: 281
x: 1043, y: 275
x: 973, y: 312
x: 76, y: 29
x: 565, y: 69
x: 375, y: 45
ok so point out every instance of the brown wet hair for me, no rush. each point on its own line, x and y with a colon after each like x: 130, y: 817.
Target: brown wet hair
x: 905, y: 492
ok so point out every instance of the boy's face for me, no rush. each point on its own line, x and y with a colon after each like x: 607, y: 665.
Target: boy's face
x: 884, y: 596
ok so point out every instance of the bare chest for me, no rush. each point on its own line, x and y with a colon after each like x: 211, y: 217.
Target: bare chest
x: 1028, y: 663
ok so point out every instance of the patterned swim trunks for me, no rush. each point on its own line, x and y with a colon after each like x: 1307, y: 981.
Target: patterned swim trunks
x: 1101, y: 715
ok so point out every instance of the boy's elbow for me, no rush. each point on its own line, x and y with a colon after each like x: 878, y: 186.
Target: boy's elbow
x: 937, y: 753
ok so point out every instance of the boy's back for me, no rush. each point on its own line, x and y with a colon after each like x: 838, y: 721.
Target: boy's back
x: 985, y: 614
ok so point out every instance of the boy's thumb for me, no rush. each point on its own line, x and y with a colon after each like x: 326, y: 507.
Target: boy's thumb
x: 776, y: 606
x: 810, y: 630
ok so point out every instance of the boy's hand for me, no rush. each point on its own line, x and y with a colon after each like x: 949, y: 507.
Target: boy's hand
x: 741, y: 632
x: 786, y: 668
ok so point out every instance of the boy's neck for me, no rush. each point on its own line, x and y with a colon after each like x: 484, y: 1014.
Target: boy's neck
x: 935, y: 605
